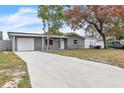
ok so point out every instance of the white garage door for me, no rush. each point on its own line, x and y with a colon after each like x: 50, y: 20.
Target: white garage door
x: 25, y: 44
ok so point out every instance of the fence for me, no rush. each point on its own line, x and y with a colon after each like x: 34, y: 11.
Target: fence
x: 5, y: 45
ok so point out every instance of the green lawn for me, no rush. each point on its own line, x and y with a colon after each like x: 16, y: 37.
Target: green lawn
x: 11, y: 67
x: 108, y: 56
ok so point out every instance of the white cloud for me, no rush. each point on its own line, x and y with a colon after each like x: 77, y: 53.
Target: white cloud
x: 19, y: 20
x: 68, y: 29
x: 24, y: 16
x: 27, y: 10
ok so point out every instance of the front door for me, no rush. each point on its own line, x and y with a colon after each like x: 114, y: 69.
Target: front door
x: 62, y: 46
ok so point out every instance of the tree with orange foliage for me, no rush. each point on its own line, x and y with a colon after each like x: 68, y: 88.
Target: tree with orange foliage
x: 116, y: 31
x: 100, y: 17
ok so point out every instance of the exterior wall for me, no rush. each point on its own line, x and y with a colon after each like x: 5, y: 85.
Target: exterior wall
x: 40, y: 44
x: 5, y: 45
x: 93, y: 42
x: 89, y: 42
x: 37, y: 43
x: 71, y: 45
x: 66, y: 43
x: 55, y: 45
x: 15, y: 43
x: 100, y: 43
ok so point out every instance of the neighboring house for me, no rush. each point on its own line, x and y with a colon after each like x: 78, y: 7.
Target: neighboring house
x: 76, y: 41
x: 37, y: 42
x: 92, y: 41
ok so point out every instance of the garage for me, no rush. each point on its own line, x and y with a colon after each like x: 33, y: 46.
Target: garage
x: 25, y: 44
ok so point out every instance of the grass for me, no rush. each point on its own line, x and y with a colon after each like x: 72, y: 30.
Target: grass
x: 24, y: 82
x: 108, y: 56
x: 3, y: 78
x: 10, y: 64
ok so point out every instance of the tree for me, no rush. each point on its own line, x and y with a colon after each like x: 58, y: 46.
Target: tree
x: 91, y: 31
x: 115, y: 31
x: 54, y: 32
x: 100, y: 17
x: 52, y: 18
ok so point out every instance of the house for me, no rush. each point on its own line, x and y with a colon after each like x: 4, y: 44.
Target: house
x: 76, y: 41
x: 38, y: 42
x: 35, y: 42
x: 93, y: 41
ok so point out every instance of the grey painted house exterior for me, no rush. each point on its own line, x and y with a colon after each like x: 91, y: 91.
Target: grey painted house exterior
x: 75, y: 41
x: 37, y: 42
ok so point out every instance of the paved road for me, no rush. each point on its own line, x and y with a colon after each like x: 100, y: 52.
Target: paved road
x: 49, y: 70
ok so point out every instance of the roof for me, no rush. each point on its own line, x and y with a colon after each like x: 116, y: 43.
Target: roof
x: 91, y: 37
x: 84, y: 37
x: 54, y: 36
x: 74, y: 34
x: 31, y: 35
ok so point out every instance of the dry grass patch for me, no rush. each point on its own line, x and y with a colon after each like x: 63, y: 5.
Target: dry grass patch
x: 12, y: 70
x: 108, y: 56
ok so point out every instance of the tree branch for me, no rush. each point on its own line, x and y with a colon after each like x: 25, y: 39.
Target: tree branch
x: 92, y: 23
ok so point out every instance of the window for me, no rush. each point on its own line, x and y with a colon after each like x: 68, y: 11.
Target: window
x: 50, y: 42
x: 75, y: 41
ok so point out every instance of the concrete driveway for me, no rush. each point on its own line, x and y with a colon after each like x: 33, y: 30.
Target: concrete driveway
x: 50, y: 70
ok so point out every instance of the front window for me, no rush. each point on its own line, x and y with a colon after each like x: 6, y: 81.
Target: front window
x: 50, y: 42
x: 75, y: 41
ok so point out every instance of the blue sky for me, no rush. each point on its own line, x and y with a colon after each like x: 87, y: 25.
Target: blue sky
x: 9, y: 9
x: 22, y: 18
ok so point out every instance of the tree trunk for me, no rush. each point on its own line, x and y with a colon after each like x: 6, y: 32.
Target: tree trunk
x: 100, y: 31
x: 104, y: 40
x: 47, y: 44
